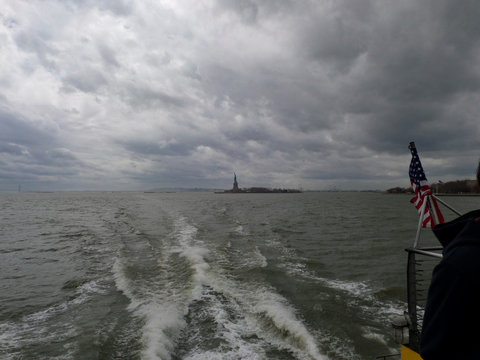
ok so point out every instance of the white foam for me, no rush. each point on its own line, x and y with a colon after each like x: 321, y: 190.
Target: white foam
x: 196, y: 258
x: 295, y: 335
x: 163, y: 309
x: 123, y: 284
x: 44, y: 326
x: 163, y: 323
x: 240, y: 230
x: 253, y: 305
x: 261, y: 260
x: 256, y: 259
x: 261, y: 317
x: 37, y: 328
x: 269, y: 317
x: 364, y: 292
x: 373, y: 334
x: 232, y: 330
x: 86, y: 290
x: 163, y: 319
x: 363, y: 296
x: 370, y: 333
x: 237, y: 354
x: 194, y: 251
x: 357, y: 289
x: 186, y: 232
x: 339, y: 348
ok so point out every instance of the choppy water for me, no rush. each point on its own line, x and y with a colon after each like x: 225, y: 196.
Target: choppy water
x: 202, y: 276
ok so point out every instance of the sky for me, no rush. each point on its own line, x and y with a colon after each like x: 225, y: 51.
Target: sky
x: 325, y: 94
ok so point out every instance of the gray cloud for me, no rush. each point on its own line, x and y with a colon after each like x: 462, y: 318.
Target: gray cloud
x: 147, y: 94
x: 157, y: 149
x: 19, y: 131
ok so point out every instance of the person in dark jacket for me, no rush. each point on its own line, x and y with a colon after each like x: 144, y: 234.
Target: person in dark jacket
x: 452, y: 313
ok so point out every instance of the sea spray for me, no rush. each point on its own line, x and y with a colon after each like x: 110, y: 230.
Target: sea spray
x: 162, y: 320
x: 279, y: 325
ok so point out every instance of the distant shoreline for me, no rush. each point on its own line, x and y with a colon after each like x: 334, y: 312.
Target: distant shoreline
x: 459, y: 194
x: 258, y: 190
x: 436, y: 194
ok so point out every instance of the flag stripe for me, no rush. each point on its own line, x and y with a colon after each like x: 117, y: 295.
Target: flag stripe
x: 422, y: 191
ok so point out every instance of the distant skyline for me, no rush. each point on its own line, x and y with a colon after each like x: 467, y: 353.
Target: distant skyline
x: 136, y: 95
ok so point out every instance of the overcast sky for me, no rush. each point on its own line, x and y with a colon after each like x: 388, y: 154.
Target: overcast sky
x: 135, y: 95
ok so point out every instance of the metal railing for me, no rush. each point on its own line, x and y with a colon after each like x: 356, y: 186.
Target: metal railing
x: 421, y: 262
x: 388, y: 357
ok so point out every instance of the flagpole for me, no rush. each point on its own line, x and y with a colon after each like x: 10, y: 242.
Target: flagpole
x: 420, y: 223
x: 436, y: 219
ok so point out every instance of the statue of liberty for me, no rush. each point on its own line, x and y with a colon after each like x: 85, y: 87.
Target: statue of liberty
x: 235, y: 183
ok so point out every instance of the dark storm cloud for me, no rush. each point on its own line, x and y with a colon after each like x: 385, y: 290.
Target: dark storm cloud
x: 148, y: 97
x: 13, y: 149
x: 282, y: 91
x: 117, y: 7
x: 246, y: 9
x: 30, y: 152
x: 418, y: 64
x: 399, y: 72
x: 39, y: 45
x: 156, y: 149
x: 89, y: 81
x: 108, y: 55
x: 19, y: 131
x: 337, y: 38
x: 250, y: 11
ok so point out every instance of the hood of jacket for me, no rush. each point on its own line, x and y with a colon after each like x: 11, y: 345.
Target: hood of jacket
x: 448, y: 233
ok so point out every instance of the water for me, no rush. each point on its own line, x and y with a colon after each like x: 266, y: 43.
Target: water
x: 203, y: 276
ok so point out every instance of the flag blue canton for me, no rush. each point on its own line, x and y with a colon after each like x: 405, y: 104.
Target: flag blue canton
x: 417, y: 175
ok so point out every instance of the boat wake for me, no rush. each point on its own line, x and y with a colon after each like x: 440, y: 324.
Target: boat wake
x: 196, y: 309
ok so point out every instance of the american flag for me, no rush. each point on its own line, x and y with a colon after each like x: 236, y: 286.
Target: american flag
x: 422, y: 191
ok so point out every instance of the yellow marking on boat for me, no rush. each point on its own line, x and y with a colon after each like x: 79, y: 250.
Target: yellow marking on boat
x: 409, y: 354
